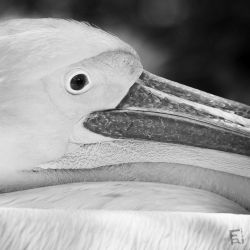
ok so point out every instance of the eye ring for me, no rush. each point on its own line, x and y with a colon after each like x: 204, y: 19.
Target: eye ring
x: 77, y: 82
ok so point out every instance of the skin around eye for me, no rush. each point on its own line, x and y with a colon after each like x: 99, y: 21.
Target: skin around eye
x: 77, y: 82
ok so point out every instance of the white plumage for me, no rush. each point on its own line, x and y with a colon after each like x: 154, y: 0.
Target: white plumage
x: 36, y: 48
x: 84, y: 229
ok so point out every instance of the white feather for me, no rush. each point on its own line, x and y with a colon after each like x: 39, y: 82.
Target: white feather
x: 43, y: 45
x: 82, y: 229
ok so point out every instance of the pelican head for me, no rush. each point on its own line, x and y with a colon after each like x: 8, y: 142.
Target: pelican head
x: 53, y: 74
x: 75, y: 99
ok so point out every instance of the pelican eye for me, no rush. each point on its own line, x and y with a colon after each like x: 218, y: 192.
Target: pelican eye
x: 77, y: 83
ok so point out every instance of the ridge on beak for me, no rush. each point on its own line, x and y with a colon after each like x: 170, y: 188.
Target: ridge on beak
x: 161, y: 110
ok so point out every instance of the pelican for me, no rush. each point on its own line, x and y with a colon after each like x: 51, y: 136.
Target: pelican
x: 98, y: 153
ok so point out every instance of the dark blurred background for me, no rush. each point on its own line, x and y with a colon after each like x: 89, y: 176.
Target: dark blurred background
x: 202, y: 43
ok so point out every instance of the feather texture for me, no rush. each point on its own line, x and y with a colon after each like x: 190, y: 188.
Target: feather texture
x: 82, y: 229
x: 32, y: 46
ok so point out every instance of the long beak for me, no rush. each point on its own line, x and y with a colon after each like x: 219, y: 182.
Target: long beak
x: 161, y: 110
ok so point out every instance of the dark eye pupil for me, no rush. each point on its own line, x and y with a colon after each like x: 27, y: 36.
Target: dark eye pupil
x: 78, y: 82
